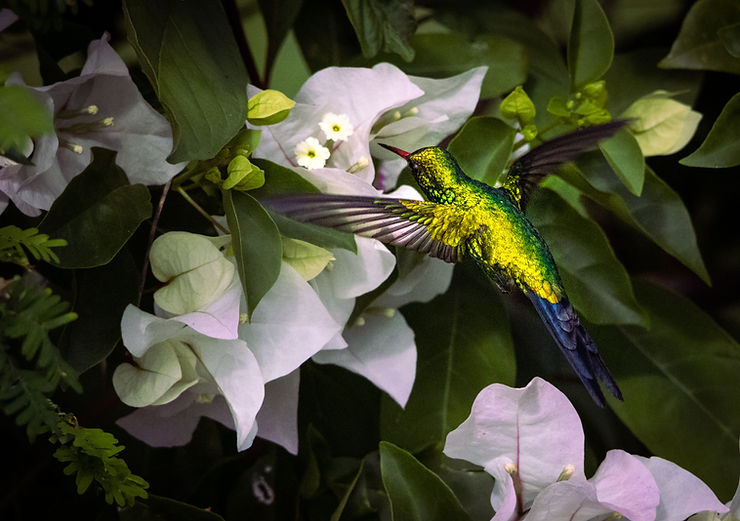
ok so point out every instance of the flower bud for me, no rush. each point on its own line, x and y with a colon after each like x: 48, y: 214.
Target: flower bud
x: 518, y: 106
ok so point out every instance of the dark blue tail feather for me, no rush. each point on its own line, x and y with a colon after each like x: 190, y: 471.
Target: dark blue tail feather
x: 575, y: 343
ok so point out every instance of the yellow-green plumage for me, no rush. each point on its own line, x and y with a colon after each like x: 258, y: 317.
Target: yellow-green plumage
x: 464, y: 217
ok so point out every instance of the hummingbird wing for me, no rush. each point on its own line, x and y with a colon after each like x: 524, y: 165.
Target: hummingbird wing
x: 435, y: 229
x: 527, y: 171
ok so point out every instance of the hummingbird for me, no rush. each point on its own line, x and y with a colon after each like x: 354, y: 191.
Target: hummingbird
x: 462, y: 217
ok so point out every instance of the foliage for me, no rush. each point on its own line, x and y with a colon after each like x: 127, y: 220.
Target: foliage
x: 343, y: 365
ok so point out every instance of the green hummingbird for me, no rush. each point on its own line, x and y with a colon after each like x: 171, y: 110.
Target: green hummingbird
x: 465, y: 217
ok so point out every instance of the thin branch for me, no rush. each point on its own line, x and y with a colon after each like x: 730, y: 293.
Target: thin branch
x: 201, y: 210
x: 152, y: 232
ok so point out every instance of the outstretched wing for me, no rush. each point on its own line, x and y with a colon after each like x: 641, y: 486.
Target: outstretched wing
x: 527, y: 171
x: 431, y: 228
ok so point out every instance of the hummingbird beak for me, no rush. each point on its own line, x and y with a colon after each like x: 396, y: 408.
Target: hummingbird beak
x: 395, y: 150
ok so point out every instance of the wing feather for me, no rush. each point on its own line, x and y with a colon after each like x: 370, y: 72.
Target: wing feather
x: 397, y: 222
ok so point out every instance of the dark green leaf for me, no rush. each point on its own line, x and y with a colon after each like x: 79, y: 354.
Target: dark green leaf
x: 634, y: 75
x: 658, y: 213
x: 679, y: 380
x: 257, y: 245
x: 101, y: 296
x: 698, y: 45
x: 282, y: 181
x: 279, y: 17
x: 195, y: 69
x: 483, y: 148
x: 591, y: 44
x: 730, y: 37
x: 721, y: 148
x: 97, y: 213
x: 596, y: 282
x: 471, y: 484
x: 159, y: 508
x: 623, y: 154
x: 21, y: 117
x: 383, y: 25
x: 415, y: 492
x: 442, y: 55
x: 463, y: 343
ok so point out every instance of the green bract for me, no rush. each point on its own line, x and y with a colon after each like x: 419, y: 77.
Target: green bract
x: 307, y: 259
x: 243, y: 175
x: 269, y: 107
x: 661, y: 125
x: 518, y: 106
x: 160, y: 376
x: 195, y: 270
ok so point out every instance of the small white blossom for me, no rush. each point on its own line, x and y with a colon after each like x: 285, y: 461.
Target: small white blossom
x: 311, y: 154
x: 336, y: 126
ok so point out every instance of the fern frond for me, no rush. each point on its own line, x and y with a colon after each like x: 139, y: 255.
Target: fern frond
x: 91, y: 455
x: 13, y: 240
x: 27, y: 316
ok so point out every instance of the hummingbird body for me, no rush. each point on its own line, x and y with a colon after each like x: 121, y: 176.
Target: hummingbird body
x: 464, y: 217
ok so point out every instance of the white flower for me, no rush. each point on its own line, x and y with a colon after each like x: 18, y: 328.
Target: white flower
x: 101, y: 107
x: 336, y: 126
x: 311, y: 154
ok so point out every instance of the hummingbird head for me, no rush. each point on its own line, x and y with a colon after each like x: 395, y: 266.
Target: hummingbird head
x: 434, y: 168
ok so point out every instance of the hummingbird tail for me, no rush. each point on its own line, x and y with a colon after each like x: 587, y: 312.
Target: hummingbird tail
x: 575, y: 343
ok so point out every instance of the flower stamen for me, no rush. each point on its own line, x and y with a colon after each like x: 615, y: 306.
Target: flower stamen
x: 85, y: 111
x: 74, y: 147
x: 360, y: 164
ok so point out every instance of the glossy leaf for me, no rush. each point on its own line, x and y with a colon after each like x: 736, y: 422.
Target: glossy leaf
x: 442, y: 55
x: 597, y: 284
x: 97, y: 213
x: 623, y: 154
x: 195, y: 69
x: 21, y: 117
x: 721, y: 148
x: 463, y: 343
x: 483, y: 147
x: 101, y: 296
x: 658, y: 213
x: 591, y: 44
x: 383, y: 25
x: 679, y: 383
x: 698, y: 45
x: 256, y: 243
x: 415, y: 492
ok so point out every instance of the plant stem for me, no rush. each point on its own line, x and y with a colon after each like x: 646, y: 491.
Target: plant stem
x: 152, y: 232
x: 200, y: 210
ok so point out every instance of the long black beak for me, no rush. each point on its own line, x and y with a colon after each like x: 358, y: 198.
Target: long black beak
x: 395, y: 150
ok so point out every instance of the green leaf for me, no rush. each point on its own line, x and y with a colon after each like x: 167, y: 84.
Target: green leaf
x: 21, y: 117
x: 597, y: 284
x: 730, y: 37
x: 97, y: 213
x: 659, y: 213
x: 698, y: 45
x: 463, y: 343
x: 195, y: 68
x: 591, y: 44
x: 447, y: 54
x: 679, y: 383
x: 721, y: 148
x: 383, y: 25
x: 257, y: 245
x: 623, y: 154
x: 101, y: 296
x: 483, y: 147
x: 281, y: 181
x: 415, y: 492
x: 269, y: 107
